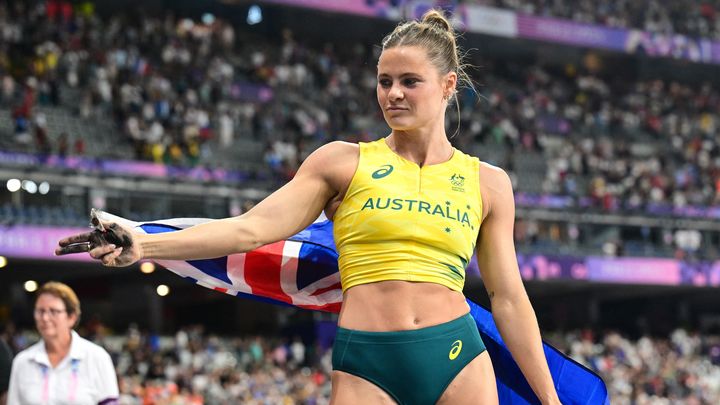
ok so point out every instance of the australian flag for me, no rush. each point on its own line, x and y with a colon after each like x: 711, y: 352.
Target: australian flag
x: 302, y: 271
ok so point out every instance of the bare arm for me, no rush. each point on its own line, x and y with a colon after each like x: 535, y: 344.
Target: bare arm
x: 282, y: 214
x: 511, y: 307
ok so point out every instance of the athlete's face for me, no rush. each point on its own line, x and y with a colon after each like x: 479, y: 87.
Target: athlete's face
x: 411, y: 91
x: 51, y: 317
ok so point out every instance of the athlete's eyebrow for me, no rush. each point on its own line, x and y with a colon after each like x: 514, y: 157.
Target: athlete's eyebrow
x: 401, y: 76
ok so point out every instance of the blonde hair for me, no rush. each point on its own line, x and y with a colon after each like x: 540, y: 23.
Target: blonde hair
x: 64, y: 292
x: 434, y: 34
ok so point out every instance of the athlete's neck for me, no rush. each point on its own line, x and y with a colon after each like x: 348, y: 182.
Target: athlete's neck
x: 420, y: 148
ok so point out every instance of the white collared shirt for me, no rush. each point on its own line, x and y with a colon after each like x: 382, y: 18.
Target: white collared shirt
x: 86, y: 376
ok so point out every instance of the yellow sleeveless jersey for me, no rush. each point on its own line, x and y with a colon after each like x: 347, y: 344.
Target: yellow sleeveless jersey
x: 400, y: 221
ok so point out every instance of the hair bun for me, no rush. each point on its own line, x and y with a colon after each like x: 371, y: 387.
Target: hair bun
x: 436, y: 19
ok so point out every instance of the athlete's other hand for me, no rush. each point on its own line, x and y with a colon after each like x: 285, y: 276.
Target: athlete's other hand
x: 111, y: 243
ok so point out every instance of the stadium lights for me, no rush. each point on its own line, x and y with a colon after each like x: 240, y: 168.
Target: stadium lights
x: 147, y: 267
x: 3, y: 261
x: 44, y: 187
x: 31, y: 286
x: 29, y: 186
x: 13, y: 185
x: 163, y: 290
x: 208, y: 19
x: 254, y: 15
x: 187, y: 24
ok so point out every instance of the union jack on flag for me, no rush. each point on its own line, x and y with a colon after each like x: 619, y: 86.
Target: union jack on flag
x: 295, y: 271
x: 303, y: 271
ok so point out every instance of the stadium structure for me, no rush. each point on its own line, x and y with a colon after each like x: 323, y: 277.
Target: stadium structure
x: 606, y: 118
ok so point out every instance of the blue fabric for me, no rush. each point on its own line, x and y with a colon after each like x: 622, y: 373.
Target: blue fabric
x: 574, y: 383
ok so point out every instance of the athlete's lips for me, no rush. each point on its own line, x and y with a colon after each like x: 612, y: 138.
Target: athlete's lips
x: 396, y: 108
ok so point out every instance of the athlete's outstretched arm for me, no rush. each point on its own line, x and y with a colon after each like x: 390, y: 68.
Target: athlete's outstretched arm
x: 282, y: 214
x: 511, y: 307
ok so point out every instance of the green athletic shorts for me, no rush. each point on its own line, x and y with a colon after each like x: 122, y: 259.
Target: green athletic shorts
x: 413, y: 366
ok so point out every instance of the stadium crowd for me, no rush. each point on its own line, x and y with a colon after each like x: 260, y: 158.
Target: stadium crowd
x: 172, y: 84
x: 681, y: 369
x: 631, y: 143
x: 182, y: 92
x: 195, y: 367
x: 687, y: 17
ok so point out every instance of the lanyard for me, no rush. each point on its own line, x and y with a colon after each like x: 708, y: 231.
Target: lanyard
x: 46, y: 383
x: 74, y: 365
x: 74, y: 368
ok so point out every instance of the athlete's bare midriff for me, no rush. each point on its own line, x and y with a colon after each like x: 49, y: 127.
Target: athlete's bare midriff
x: 399, y: 305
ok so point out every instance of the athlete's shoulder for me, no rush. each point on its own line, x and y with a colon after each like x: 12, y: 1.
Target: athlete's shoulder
x: 335, y: 151
x: 333, y: 161
x: 494, y: 177
x: 496, y: 189
x: 491, y: 170
x: 342, y: 147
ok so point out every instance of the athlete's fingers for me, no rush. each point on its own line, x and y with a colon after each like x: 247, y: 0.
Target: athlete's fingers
x: 70, y: 249
x: 101, y: 251
x: 79, y: 238
x: 109, y: 259
x: 118, y: 234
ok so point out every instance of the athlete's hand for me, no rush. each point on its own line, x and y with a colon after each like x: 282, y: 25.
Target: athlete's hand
x: 111, y: 243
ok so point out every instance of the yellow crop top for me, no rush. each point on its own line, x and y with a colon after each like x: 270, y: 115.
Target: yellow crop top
x: 399, y: 221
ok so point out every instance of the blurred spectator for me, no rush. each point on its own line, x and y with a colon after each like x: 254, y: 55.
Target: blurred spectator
x: 79, y: 146
x: 42, y: 143
x: 63, y: 143
x: 5, y: 364
x: 69, y: 368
